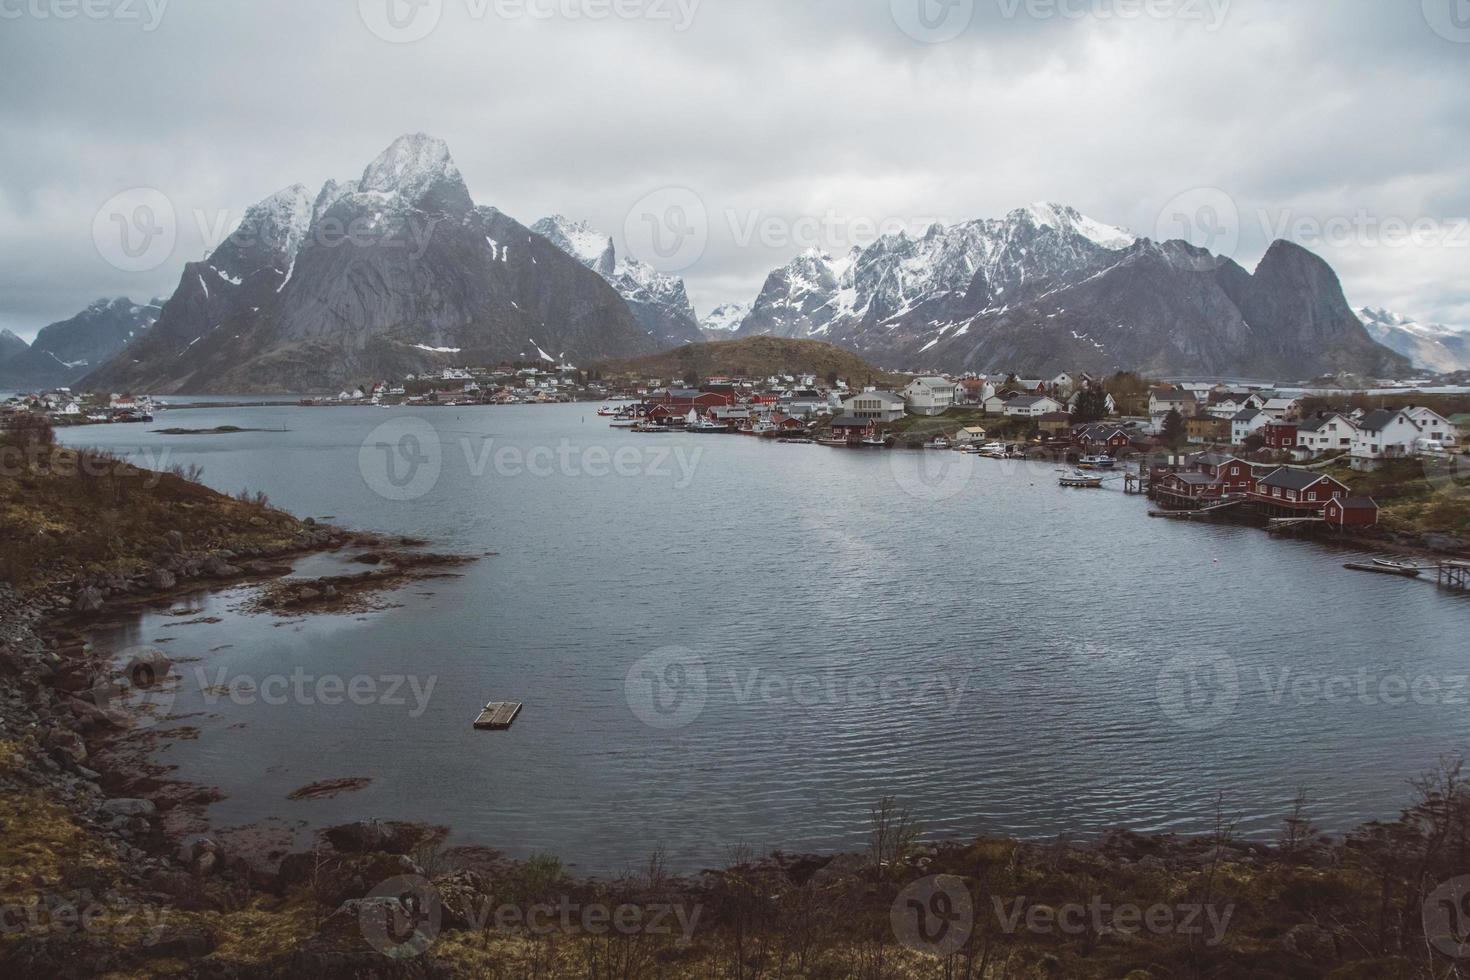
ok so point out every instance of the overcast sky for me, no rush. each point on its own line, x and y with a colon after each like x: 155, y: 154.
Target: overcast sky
x: 775, y: 124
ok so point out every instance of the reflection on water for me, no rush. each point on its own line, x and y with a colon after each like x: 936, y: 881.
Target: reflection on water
x: 754, y: 642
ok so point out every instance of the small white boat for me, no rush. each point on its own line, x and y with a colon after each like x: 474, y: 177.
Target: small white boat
x: 995, y: 450
x: 938, y: 442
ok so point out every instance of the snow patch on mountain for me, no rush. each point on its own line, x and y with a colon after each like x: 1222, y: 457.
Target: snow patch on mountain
x: 1430, y: 346
x: 725, y: 318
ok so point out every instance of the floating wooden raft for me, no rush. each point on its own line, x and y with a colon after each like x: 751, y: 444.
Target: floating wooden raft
x: 498, y: 716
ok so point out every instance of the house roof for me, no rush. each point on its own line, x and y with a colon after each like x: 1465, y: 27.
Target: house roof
x: 1321, y: 421
x: 1357, y: 503
x: 1292, y: 479
x: 1378, y: 420
x: 932, y: 382
x: 1214, y: 459
x: 1029, y: 401
x: 1195, y: 479
x: 1246, y: 415
x: 882, y: 395
x: 1173, y: 396
x: 850, y: 421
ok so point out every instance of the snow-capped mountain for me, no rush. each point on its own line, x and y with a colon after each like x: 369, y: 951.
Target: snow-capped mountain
x: 1428, y: 345
x: 66, y: 351
x: 659, y: 302
x: 722, y: 321
x: 1047, y: 288
x: 11, y: 346
x: 395, y: 272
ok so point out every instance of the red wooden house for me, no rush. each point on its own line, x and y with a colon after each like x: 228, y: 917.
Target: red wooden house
x: 1297, y: 493
x: 1231, y: 475
x: 853, y: 429
x: 1351, y: 512
x: 1280, y: 436
x: 1102, y: 438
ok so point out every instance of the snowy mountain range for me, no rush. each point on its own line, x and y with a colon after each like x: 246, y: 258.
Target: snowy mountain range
x: 722, y: 322
x: 1431, y: 347
x: 65, y: 351
x: 396, y: 272
x: 659, y: 302
x: 1046, y: 288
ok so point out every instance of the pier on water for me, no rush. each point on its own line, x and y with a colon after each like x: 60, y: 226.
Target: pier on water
x: 1454, y: 575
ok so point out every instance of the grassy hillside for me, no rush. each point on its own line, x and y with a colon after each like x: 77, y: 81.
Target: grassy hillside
x: 750, y: 357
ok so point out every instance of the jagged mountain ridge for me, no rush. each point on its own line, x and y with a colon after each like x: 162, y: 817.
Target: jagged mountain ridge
x: 396, y: 272
x: 659, y: 302
x: 722, y: 322
x: 1430, y: 346
x: 64, y: 352
x: 1047, y: 289
x: 11, y: 346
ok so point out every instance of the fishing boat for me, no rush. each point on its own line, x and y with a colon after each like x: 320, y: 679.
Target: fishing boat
x: 1097, y: 463
x: 994, y: 450
x: 875, y: 442
x: 707, y: 426
x: 938, y: 442
x: 1082, y: 481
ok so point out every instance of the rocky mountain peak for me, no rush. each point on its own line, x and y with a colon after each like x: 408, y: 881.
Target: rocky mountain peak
x: 417, y: 170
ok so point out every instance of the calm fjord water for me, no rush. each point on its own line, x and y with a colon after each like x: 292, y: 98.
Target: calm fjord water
x: 1002, y: 655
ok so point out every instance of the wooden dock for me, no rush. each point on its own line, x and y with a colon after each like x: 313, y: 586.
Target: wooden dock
x: 498, y: 716
x: 1454, y: 575
x: 1399, y: 570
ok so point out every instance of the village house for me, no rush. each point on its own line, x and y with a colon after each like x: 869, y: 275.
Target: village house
x: 1054, y: 425
x: 1434, y: 427
x: 1282, y: 408
x: 1381, y: 435
x: 1161, y: 403
x: 1291, y: 492
x: 1325, y: 432
x: 1247, y: 423
x: 1231, y: 475
x: 1032, y: 406
x: 882, y: 406
x: 1207, y: 430
x: 973, y: 391
x: 929, y: 396
x: 1351, y: 512
x: 996, y: 404
x: 854, y: 429
x: 1280, y: 436
x: 972, y: 435
x: 1102, y: 439
x: 802, y: 401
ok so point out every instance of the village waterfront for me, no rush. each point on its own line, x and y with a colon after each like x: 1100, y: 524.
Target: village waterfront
x: 734, y: 639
